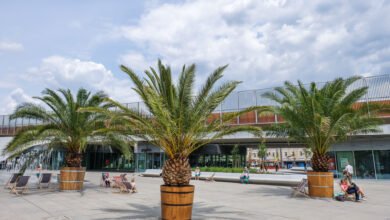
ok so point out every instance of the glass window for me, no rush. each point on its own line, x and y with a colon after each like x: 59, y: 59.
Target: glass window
x: 344, y: 157
x: 382, y: 163
x: 364, y: 164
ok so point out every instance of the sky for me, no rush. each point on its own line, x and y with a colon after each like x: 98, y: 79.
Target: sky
x: 74, y: 44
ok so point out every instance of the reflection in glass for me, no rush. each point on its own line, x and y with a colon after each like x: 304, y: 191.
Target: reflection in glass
x: 364, y: 165
x: 382, y: 163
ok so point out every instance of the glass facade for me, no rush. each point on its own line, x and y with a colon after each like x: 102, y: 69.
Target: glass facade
x: 367, y: 164
x: 364, y: 164
x: 382, y: 163
x: 95, y: 158
x: 214, y: 155
x: 148, y: 160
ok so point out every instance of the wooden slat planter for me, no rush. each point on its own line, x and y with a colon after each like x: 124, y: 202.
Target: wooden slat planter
x: 72, y: 178
x: 176, y: 202
x: 320, y: 184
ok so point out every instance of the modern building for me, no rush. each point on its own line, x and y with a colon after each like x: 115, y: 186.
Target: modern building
x: 293, y: 157
x: 368, y: 154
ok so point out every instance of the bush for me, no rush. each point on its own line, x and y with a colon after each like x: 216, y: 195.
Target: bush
x: 224, y: 169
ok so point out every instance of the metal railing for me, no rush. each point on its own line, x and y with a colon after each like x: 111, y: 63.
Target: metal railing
x: 378, y: 90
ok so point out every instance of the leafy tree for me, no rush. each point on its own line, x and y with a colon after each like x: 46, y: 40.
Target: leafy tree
x: 321, y: 116
x: 235, y: 154
x: 179, y: 121
x: 64, y: 126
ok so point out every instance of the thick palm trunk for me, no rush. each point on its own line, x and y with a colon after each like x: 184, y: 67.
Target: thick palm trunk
x: 73, y: 159
x: 319, y: 162
x: 177, y: 171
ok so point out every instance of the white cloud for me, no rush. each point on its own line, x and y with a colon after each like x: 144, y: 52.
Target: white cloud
x: 14, y: 98
x: 7, y: 46
x: 136, y: 61
x: 61, y: 72
x: 267, y: 42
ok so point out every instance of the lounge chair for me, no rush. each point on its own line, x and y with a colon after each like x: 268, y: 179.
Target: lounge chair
x: 12, y: 180
x: 118, y: 183
x: 44, y: 180
x: 21, y: 185
x: 211, y: 178
x: 300, y: 189
x: 129, y: 186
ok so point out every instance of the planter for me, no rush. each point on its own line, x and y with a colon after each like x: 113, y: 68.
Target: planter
x: 320, y: 184
x: 176, y: 202
x: 72, y: 178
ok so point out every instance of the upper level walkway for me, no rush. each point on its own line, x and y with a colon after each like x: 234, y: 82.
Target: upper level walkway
x: 378, y: 92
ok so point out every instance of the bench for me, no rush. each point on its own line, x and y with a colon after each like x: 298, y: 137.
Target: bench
x: 152, y: 173
x: 267, y: 179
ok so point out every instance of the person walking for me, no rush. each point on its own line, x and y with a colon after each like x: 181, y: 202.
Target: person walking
x: 276, y: 165
x: 348, y: 172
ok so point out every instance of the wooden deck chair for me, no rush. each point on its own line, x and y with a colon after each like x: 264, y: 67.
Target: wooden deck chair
x: 21, y: 185
x: 211, y: 178
x: 118, y: 183
x: 44, y: 180
x: 128, y: 186
x: 12, y: 180
x: 300, y: 189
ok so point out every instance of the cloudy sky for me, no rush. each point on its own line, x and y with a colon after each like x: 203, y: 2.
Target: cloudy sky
x: 72, y: 44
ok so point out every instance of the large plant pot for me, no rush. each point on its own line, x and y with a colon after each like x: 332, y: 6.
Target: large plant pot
x: 72, y: 178
x: 320, y: 184
x: 176, y: 202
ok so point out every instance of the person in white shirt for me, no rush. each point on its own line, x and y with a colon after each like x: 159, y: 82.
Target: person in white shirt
x: 348, y: 171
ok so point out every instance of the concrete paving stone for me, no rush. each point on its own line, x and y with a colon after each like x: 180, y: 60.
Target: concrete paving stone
x: 219, y: 200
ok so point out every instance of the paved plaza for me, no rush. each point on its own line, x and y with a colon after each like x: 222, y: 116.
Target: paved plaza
x: 218, y: 200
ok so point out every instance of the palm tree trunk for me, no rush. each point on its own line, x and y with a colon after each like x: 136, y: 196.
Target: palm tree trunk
x: 319, y: 162
x: 73, y: 159
x: 177, y: 171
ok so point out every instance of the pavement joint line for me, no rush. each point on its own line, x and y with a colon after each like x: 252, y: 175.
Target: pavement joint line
x: 25, y: 199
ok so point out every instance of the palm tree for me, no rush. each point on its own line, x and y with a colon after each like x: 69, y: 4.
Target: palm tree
x: 179, y: 121
x: 262, y: 154
x: 322, y: 116
x: 63, y: 126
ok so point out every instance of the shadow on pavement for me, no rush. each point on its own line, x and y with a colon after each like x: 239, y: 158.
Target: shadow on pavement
x: 200, y: 211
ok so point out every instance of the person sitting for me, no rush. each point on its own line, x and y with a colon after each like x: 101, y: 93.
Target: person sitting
x: 197, y: 173
x: 348, y: 189
x: 123, y: 177
x: 133, y: 186
x: 106, y: 179
x: 244, y: 178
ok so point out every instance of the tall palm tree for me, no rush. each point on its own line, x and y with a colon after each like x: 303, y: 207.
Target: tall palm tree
x: 64, y: 126
x: 179, y: 120
x: 322, y: 116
